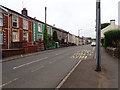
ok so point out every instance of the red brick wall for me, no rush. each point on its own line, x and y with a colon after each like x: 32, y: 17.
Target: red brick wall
x: 30, y: 29
x: 21, y: 29
x: 5, y: 31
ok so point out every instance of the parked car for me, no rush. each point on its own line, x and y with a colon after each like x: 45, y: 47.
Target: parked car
x: 93, y: 44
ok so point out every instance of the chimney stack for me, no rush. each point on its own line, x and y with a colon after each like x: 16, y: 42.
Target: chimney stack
x: 112, y: 24
x: 24, y: 12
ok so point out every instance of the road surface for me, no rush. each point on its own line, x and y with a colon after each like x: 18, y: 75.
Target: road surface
x: 45, y: 70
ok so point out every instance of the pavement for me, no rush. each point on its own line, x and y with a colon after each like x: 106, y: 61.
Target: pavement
x: 85, y: 76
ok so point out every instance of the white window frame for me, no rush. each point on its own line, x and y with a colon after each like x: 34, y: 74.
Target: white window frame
x: 25, y: 24
x: 15, y: 38
x: 40, y: 35
x: 48, y: 30
x: 39, y: 27
x: 25, y: 37
x: 1, y: 19
x: 15, y: 20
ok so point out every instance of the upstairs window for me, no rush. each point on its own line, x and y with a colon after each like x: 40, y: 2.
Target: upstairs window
x: 39, y: 28
x: 25, y: 24
x: 1, y: 19
x: 15, y: 21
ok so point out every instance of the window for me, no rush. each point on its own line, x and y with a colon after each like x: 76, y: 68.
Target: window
x: 15, y: 36
x: 25, y: 24
x: 25, y: 36
x: 40, y: 37
x: 15, y: 21
x: 39, y: 28
x: 1, y: 19
x: 48, y: 29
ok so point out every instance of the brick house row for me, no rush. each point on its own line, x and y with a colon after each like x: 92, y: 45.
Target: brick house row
x: 25, y: 34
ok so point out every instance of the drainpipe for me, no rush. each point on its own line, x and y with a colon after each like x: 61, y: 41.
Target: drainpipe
x: 8, y: 32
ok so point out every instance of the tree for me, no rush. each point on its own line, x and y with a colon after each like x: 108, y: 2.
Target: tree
x: 46, y: 39
x: 104, y: 25
x: 55, y: 36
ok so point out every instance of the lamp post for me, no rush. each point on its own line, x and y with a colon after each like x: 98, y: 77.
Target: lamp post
x: 79, y: 32
x: 98, y: 35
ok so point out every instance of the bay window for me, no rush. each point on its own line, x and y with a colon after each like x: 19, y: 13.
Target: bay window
x: 15, y: 36
x: 40, y: 37
x: 25, y: 36
x: 1, y: 19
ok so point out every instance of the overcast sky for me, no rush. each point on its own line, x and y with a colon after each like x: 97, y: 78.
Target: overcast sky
x: 70, y: 15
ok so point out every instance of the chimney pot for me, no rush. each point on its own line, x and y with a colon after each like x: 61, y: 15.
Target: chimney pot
x: 24, y: 11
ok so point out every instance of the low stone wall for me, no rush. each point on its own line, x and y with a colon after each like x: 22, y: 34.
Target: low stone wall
x: 113, y: 51
x: 11, y: 52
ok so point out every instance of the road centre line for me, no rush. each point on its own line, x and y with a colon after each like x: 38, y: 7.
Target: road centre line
x: 29, y: 63
x: 8, y: 82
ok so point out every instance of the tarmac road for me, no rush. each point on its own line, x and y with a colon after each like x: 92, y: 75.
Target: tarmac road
x: 45, y: 70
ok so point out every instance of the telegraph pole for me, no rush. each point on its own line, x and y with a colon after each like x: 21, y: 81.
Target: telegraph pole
x: 98, y: 35
x: 45, y: 15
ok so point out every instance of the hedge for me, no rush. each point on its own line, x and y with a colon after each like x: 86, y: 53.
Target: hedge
x: 112, y: 38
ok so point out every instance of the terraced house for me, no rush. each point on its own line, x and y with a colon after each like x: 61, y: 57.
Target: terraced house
x: 24, y: 34
x: 17, y: 32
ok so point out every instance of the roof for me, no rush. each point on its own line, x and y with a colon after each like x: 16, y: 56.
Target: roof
x: 28, y: 17
x: 22, y: 15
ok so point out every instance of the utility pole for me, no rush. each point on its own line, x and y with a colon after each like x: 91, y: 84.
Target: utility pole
x: 45, y: 15
x: 98, y: 35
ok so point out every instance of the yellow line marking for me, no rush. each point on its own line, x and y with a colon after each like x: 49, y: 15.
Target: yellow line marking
x: 85, y: 57
x: 80, y: 57
x: 37, y: 68
x: 8, y: 82
x: 73, y: 56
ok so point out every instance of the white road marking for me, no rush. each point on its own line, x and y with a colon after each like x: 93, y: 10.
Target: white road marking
x: 29, y: 63
x: 8, y: 82
x: 80, y: 57
x: 66, y: 77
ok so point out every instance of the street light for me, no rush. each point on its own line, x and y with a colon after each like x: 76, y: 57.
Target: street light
x: 98, y: 35
x: 79, y: 32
